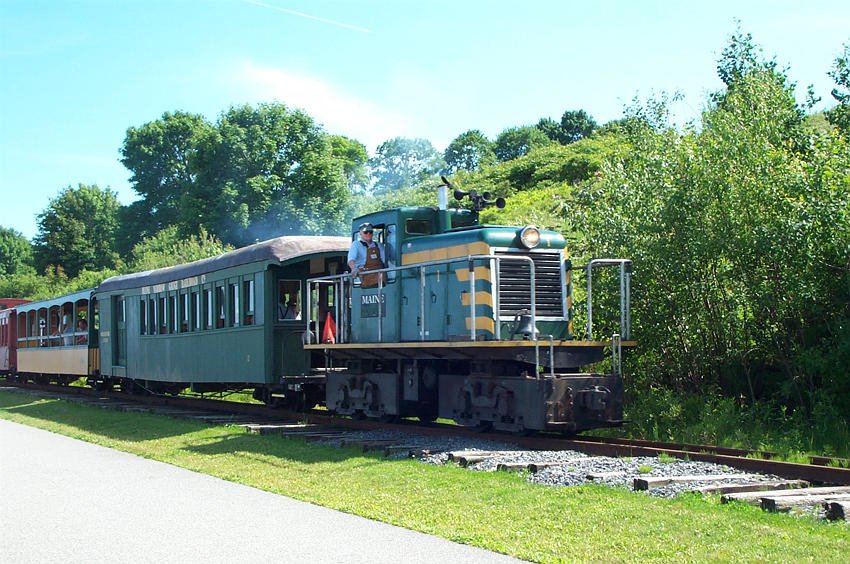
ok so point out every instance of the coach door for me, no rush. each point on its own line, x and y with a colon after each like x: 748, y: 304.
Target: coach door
x: 119, y: 342
x: 290, y: 357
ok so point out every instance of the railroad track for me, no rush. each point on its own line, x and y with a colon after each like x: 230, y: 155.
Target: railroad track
x: 778, y: 494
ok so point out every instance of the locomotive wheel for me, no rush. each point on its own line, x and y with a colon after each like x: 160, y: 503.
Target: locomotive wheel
x: 483, y: 426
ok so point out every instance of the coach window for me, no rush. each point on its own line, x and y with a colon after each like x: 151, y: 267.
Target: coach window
x: 94, y: 322
x: 248, y: 301
x: 172, y: 313
x: 38, y: 328
x: 220, y: 304
x: 22, y: 331
x: 208, y: 309
x: 152, y: 315
x: 195, y: 315
x: 233, y: 305
x: 161, y: 315
x: 288, y: 299
x: 29, y: 325
x: 143, y: 316
x: 81, y: 322
x: 184, y: 312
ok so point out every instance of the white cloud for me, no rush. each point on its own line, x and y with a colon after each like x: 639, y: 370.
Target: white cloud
x: 338, y: 111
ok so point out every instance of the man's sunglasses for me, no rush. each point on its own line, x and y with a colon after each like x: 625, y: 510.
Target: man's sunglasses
x: 367, y: 231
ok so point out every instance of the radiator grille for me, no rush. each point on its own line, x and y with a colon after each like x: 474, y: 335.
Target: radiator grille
x: 515, y: 288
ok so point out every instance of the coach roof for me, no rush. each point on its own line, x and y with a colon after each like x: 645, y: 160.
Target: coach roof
x: 272, y: 251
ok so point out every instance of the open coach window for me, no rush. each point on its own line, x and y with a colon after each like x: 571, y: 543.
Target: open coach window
x: 288, y: 300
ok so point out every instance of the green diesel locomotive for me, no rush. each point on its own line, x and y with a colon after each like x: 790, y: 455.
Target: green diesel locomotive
x: 469, y: 322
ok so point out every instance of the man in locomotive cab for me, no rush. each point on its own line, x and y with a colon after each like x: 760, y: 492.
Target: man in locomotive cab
x: 366, y: 254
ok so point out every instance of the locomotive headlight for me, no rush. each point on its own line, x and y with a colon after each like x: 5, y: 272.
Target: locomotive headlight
x: 530, y: 236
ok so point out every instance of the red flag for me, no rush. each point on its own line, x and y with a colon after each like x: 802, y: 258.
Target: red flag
x: 329, y: 332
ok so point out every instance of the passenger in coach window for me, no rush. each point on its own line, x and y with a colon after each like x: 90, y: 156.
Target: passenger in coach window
x: 366, y: 254
x: 67, y: 328
x: 82, y: 327
x: 290, y: 311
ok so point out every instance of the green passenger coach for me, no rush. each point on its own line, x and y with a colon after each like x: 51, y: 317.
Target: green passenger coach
x: 227, y: 322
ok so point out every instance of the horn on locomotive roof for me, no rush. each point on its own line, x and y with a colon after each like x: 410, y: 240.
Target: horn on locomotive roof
x: 479, y: 201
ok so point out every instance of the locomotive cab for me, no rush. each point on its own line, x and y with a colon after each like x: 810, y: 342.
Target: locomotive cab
x: 377, y: 312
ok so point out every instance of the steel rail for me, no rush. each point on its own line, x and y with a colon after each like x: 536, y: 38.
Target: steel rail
x: 752, y: 460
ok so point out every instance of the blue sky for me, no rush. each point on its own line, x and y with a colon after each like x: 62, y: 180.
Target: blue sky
x: 74, y: 75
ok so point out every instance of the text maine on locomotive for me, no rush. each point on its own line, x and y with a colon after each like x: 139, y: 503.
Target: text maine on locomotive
x: 468, y: 322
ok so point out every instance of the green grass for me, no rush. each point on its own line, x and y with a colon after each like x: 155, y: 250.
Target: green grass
x: 664, y: 458
x: 496, y: 511
x: 708, y: 418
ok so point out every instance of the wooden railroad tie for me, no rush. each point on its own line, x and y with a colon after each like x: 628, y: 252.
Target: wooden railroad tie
x: 468, y: 459
x: 604, y: 476
x: 408, y: 450
x: 370, y: 445
x: 837, y: 510
x: 648, y: 483
x: 786, y: 503
x: 753, y: 487
x: 754, y: 498
x: 266, y: 428
x: 532, y: 467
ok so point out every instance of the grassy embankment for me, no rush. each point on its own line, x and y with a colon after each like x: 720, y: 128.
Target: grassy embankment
x: 497, y: 511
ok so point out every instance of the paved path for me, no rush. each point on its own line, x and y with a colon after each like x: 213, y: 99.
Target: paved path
x: 64, y: 500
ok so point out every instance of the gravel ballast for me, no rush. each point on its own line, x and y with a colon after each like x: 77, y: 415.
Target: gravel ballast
x: 558, y: 468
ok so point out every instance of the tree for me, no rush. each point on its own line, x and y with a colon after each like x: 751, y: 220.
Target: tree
x: 15, y: 252
x: 401, y: 163
x: 469, y: 151
x: 839, y: 116
x: 716, y: 219
x: 575, y: 125
x: 266, y: 171
x: 77, y: 230
x: 169, y: 247
x: 518, y: 141
x: 552, y: 165
x: 353, y: 156
x: 739, y: 58
x: 552, y: 129
x: 160, y: 154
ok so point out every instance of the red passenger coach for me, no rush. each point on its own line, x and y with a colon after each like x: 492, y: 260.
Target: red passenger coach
x: 6, y: 303
x: 8, y: 334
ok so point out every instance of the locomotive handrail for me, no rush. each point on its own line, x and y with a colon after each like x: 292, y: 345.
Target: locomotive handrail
x: 341, y: 279
x: 625, y: 294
